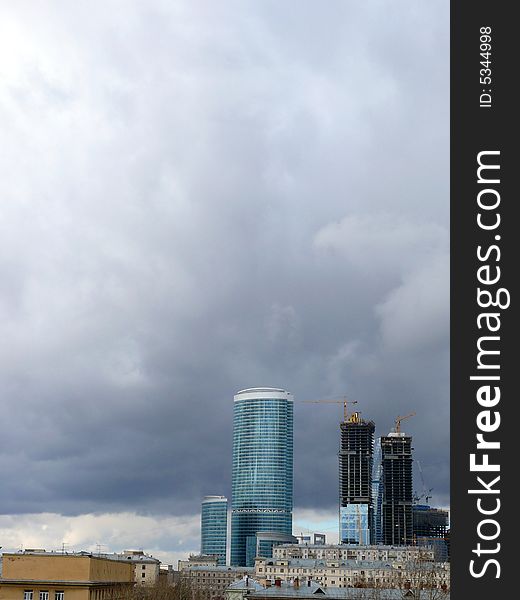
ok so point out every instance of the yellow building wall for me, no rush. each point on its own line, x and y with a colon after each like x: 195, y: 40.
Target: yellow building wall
x: 50, y: 567
x: 15, y: 591
x: 110, y: 570
x: 65, y: 567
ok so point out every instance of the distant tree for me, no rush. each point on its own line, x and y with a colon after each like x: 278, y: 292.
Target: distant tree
x: 425, y: 581
x: 163, y: 591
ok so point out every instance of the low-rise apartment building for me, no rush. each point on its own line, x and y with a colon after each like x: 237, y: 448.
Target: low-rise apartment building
x: 313, y: 591
x: 355, y: 552
x: 64, y: 576
x: 146, y: 567
x: 212, y: 582
x: 198, y: 560
x: 354, y: 573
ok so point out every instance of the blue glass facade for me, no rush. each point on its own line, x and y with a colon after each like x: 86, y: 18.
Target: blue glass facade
x: 213, y: 527
x: 262, y: 544
x: 355, y: 524
x: 262, y: 478
x: 377, y: 493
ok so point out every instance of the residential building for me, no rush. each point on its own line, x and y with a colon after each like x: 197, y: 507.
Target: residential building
x: 64, y: 576
x: 310, y: 590
x: 146, y: 567
x: 166, y: 575
x: 355, y: 573
x: 262, y: 477
x: 241, y: 588
x: 213, y: 527
x: 211, y: 582
x: 335, y: 552
x: 356, y: 456
x: 197, y: 560
x: 397, y: 500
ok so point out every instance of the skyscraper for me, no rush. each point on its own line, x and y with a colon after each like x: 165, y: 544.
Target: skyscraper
x: 397, y: 518
x: 213, y: 527
x: 377, y: 494
x: 262, y: 478
x: 355, y: 480
x: 430, y: 527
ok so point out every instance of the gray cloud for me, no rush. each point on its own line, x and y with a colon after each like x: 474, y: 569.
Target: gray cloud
x: 201, y: 197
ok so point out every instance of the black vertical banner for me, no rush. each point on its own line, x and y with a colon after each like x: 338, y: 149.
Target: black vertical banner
x: 484, y: 324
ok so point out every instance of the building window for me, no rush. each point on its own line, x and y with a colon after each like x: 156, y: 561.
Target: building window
x: 28, y: 595
x: 44, y: 595
x: 143, y: 575
x: 59, y: 595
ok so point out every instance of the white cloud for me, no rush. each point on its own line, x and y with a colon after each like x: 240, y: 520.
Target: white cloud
x: 166, y: 538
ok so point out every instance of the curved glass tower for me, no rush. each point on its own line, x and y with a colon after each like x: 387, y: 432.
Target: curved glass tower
x: 213, y: 527
x: 262, y: 479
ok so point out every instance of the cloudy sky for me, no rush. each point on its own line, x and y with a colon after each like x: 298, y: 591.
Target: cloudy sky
x: 198, y: 197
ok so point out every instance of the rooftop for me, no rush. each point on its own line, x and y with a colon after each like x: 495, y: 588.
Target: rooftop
x: 222, y: 569
x: 263, y: 393
x: 261, y: 389
x: 352, y: 564
x: 316, y: 591
x: 349, y: 547
x: 318, y: 562
x: 122, y: 557
x: 246, y: 583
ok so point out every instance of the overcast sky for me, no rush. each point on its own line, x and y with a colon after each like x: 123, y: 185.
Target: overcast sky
x: 198, y: 197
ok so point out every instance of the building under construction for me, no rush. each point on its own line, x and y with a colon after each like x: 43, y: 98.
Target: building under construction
x: 397, y: 501
x: 429, y: 522
x: 430, y: 528
x: 355, y: 480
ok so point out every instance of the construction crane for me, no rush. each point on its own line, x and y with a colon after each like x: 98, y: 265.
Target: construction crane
x: 426, y: 494
x: 399, y: 419
x: 354, y: 417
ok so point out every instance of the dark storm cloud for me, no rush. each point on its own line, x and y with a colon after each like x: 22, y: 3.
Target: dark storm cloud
x: 202, y: 197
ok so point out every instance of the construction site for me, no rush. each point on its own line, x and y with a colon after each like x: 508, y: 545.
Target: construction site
x: 377, y: 504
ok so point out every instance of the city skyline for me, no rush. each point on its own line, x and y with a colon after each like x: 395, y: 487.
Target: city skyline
x: 201, y: 197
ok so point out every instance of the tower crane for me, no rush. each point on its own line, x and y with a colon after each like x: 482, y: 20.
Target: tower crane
x: 426, y: 494
x: 399, y: 419
x: 353, y: 418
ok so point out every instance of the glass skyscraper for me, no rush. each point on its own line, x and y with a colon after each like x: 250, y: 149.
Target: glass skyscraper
x: 213, y: 527
x: 262, y: 478
x: 377, y: 494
